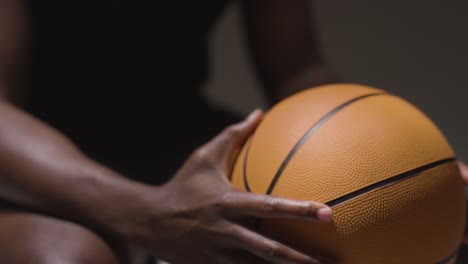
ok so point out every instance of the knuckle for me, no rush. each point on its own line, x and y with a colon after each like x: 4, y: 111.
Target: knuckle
x: 305, y: 209
x: 226, y: 233
x: 230, y: 232
x: 221, y: 204
x: 227, y: 200
x: 215, y: 230
x: 220, y: 229
x: 273, y: 250
x: 270, y: 203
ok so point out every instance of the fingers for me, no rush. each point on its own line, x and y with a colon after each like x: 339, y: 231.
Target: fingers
x: 228, y: 143
x: 464, y: 171
x: 269, y: 206
x: 266, y: 248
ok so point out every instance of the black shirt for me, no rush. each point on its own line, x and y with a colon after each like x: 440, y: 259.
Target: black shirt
x: 123, y: 79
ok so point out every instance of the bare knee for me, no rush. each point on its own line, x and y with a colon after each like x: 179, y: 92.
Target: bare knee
x: 29, y: 238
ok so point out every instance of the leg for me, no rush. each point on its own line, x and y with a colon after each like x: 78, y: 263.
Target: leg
x: 32, y: 238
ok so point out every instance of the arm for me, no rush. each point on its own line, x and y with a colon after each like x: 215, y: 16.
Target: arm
x: 283, y: 45
x: 186, y: 220
x: 38, y: 165
x: 192, y: 214
x: 13, y: 42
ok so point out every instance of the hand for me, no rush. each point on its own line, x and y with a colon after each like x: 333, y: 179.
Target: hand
x: 196, y: 211
x: 464, y: 173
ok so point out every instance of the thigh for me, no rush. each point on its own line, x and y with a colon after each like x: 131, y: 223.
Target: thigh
x: 33, y: 238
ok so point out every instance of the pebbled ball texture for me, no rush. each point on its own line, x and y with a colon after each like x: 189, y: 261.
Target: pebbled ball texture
x: 387, y: 170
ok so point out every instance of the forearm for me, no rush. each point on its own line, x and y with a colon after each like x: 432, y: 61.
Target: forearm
x: 14, y: 49
x: 285, y: 48
x: 311, y: 75
x: 43, y: 170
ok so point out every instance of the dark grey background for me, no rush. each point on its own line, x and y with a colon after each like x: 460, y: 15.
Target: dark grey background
x: 415, y: 49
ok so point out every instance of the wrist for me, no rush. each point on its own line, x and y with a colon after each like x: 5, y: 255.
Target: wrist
x: 142, y: 216
x: 129, y: 211
x: 110, y: 203
x: 133, y: 214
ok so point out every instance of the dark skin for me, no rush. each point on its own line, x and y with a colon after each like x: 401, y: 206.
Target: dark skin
x: 51, y: 189
x: 54, y: 190
x: 283, y: 46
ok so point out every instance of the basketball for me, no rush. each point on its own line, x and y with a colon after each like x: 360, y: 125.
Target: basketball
x: 382, y: 165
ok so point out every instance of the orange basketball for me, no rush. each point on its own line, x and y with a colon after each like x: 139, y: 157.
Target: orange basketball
x: 386, y: 170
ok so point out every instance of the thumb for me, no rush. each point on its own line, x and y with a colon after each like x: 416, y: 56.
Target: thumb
x: 226, y: 145
x: 463, y: 171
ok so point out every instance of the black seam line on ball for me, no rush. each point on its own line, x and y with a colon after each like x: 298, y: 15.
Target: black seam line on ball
x: 306, y: 136
x: 244, y: 166
x: 447, y: 259
x: 389, y: 181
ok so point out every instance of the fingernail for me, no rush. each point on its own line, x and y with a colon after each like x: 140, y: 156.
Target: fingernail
x: 324, y: 214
